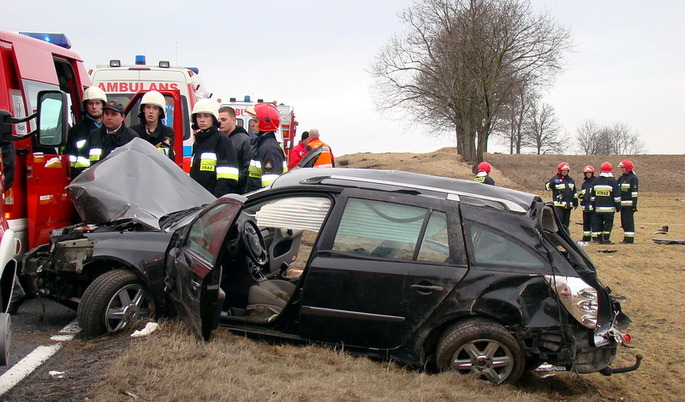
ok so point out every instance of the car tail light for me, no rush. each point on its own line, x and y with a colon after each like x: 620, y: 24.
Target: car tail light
x: 579, y: 298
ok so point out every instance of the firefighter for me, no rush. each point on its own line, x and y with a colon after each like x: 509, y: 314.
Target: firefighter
x: 213, y: 164
x: 483, y: 175
x: 586, y: 203
x: 326, y: 158
x: 268, y: 159
x: 606, y: 199
x: 94, y: 100
x: 563, y: 193
x: 240, y: 142
x: 111, y: 135
x: 151, y: 128
x: 627, y: 183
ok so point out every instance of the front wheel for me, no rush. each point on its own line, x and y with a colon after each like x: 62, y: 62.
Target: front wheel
x: 483, y: 349
x: 112, y: 302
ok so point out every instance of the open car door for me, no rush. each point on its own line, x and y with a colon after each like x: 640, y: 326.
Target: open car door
x: 193, y: 268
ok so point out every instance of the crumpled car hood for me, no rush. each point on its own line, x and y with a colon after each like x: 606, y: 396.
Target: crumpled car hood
x: 136, y: 182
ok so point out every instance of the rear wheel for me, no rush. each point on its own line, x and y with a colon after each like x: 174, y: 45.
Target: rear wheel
x: 481, y: 348
x: 112, y: 302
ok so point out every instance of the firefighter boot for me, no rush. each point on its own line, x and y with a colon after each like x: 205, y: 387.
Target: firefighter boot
x: 586, y: 238
x: 597, y: 238
x: 628, y: 240
x: 606, y: 239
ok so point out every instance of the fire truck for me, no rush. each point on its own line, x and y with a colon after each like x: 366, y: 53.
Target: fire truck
x: 123, y: 82
x: 41, y: 85
x: 287, y: 127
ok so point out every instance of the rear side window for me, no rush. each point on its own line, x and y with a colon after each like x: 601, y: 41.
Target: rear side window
x: 394, y: 231
x: 490, y: 247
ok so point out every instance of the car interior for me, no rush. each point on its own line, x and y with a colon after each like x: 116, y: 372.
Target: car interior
x: 265, y: 254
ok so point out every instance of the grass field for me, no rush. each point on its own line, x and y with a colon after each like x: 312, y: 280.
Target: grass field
x: 172, y: 365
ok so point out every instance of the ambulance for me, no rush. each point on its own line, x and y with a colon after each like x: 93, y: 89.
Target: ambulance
x: 41, y: 86
x: 123, y: 82
x: 287, y: 127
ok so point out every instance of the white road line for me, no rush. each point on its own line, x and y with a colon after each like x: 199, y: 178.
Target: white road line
x: 37, y: 357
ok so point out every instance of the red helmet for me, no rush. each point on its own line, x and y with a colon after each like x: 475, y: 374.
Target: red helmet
x: 626, y: 164
x: 589, y: 169
x: 484, y: 167
x: 268, y: 116
x: 606, y: 167
x: 563, y: 166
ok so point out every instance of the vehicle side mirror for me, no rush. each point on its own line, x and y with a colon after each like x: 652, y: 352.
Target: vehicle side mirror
x: 52, y: 118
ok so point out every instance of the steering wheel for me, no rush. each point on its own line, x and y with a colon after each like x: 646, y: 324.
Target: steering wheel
x: 253, y: 242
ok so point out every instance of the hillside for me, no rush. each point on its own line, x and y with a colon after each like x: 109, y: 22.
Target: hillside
x: 657, y: 173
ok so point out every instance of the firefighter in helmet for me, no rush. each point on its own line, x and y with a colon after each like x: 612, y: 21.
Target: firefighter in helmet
x: 268, y: 159
x: 564, y: 194
x: 483, y: 175
x: 151, y: 128
x: 213, y: 163
x: 94, y: 100
x: 606, y: 200
x: 627, y: 184
x: 586, y: 202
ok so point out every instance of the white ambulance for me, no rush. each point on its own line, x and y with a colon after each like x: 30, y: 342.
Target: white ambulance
x: 122, y: 82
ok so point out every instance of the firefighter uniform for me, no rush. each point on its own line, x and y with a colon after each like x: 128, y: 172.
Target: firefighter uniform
x: 78, y: 155
x: 564, y: 194
x: 240, y: 141
x: 326, y: 158
x: 162, y: 137
x: 213, y: 163
x: 587, y: 204
x: 627, y: 183
x: 606, y: 200
x: 268, y: 161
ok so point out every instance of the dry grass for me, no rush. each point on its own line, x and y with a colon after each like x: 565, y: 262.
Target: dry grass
x: 172, y: 365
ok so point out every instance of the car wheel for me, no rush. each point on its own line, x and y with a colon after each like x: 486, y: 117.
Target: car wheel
x: 112, y: 302
x: 483, y: 349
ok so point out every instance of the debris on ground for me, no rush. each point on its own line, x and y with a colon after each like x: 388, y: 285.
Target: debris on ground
x: 56, y: 374
x: 663, y: 230
x: 669, y: 241
x: 150, y: 327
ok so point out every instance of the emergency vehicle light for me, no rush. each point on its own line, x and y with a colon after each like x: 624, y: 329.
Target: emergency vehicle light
x: 140, y: 60
x: 164, y: 64
x: 247, y: 98
x: 55, y: 39
x: 194, y: 69
x: 115, y: 63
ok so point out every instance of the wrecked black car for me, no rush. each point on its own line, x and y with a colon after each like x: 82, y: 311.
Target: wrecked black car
x: 110, y: 268
x: 427, y: 271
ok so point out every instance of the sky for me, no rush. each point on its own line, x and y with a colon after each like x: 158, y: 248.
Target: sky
x: 627, y: 66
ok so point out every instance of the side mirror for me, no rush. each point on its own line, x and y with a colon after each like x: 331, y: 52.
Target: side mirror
x: 52, y: 118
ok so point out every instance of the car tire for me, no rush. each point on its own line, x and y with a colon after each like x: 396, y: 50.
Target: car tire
x: 112, y: 302
x: 481, y: 348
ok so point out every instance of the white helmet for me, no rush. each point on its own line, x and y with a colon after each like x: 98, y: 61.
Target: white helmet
x: 208, y: 106
x: 94, y: 93
x: 154, y: 98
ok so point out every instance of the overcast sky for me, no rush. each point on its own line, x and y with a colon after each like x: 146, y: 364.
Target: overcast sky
x: 628, y: 65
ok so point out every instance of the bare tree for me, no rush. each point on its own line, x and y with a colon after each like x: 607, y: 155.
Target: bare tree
x: 460, y: 61
x: 614, y: 140
x: 515, y: 114
x: 543, y: 130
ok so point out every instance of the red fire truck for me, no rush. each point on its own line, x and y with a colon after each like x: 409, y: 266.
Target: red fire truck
x: 41, y: 84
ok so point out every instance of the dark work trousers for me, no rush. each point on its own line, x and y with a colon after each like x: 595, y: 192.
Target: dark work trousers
x: 588, y: 216
x: 564, y: 214
x: 604, y: 222
x: 628, y: 224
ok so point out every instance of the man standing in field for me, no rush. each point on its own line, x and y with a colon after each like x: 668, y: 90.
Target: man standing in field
x: 564, y: 194
x: 325, y: 159
x: 240, y: 142
x: 607, y: 200
x: 627, y: 183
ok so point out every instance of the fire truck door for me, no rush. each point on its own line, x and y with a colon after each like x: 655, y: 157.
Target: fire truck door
x: 49, y: 205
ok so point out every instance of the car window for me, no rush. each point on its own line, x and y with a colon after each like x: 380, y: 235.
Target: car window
x: 489, y: 247
x: 207, y: 233
x: 389, y: 230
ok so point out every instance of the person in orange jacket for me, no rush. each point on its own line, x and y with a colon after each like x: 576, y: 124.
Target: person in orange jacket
x: 326, y: 159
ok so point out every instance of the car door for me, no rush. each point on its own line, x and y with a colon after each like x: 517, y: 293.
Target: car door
x: 191, y: 277
x: 371, y: 281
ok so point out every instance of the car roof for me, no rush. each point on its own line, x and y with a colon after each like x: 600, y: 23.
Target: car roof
x: 416, y: 183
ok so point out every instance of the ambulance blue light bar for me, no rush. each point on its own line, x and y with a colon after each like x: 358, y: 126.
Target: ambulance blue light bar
x: 55, y: 39
x: 140, y: 60
x: 194, y: 69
